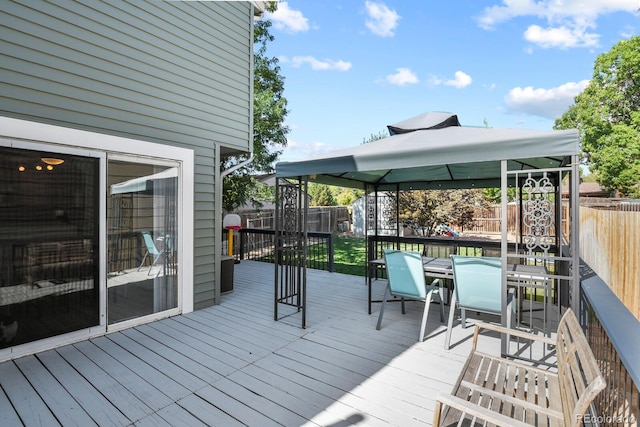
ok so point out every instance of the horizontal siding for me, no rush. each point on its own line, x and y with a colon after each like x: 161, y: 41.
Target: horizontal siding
x: 177, y: 72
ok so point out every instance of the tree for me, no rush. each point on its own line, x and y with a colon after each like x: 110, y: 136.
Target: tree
x: 346, y: 196
x: 269, y: 131
x: 494, y: 194
x: 607, y: 114
x: 376, y: 136
x: 424, y: 210
x: 321, y: 195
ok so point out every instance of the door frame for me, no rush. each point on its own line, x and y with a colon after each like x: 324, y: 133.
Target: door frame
x: 17, y: 133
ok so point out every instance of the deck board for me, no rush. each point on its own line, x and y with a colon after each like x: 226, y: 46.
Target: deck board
x: 233, y: 365
x: 87, y: 394
x: 136, y: 384
x: 62, y: 405
x: 8, y: 415
x: 169, y: 388
x: 24, y: 399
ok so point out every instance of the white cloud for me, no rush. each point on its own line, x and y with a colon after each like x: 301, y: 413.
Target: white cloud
x: 460, y: 80
x: 561, y: 37
x: 403, y: 76
x: 317, y: 64
x: 382, y: 21
x: 553, y: 10
x: 289, y: 20
x: 569, y: 21
x: 303, y: 150
x: 546, y: 103
x: 628, y: 32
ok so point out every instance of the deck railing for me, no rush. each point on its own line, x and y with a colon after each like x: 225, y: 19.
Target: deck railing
x: 258, y: 244
x: 613, y: 333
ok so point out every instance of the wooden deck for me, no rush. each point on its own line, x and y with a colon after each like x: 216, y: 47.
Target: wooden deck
x: 232, y: 364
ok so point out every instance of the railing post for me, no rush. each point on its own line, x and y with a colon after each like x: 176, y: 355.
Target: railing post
x: 242, y: 236
x: 330, y: 253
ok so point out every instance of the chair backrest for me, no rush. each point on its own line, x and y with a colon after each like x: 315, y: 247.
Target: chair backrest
x: 578, y: 373
x: 478, y: 283
x: 149, y: 243
x: 406, y: 273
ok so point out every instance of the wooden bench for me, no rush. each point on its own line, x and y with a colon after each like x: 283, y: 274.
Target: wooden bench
x: 505, y: 392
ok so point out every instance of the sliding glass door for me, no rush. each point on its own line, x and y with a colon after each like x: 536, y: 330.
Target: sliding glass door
x: 49, y: 244
x: 142, y: 238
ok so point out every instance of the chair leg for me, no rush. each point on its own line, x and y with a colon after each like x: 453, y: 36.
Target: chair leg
x: 384, y: 301
x: 144, y: 258
x: 441, y: 291
x: 463, y: 318
x: 425, y: 314
x: 153, y: 264
x: 437, y: 284
x: 452, y: 310
x: 511, y: 314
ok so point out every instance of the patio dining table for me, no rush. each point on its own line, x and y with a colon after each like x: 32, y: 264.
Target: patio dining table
x: 518, y: 275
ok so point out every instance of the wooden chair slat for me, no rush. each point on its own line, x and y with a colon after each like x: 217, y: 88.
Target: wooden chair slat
x: 492, y: 390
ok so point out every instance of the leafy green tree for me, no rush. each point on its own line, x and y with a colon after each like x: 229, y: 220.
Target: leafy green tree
x: 321, y: 195
x: 421, y: 210
x: 424, y: 210
x: 494, y: 194
x: 607, y: 114
x: 269, y: 113
x: 346, y: 196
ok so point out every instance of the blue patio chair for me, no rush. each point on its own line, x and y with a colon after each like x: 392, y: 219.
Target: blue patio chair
x: 406, y: 280
x: 477, y: 285
x: 151, y: 250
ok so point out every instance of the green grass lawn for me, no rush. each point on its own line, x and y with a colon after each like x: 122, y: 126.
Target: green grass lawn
x: 349, y: 255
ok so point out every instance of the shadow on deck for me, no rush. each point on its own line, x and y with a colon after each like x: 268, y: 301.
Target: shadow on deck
x: 232, y: 364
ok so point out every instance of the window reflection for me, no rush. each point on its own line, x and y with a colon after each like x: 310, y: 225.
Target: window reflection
x: 142, y: 257
x: 48, y: 244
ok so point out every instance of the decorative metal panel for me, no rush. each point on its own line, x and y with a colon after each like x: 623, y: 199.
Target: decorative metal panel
x: 538, y: 214
x: 387, y: 206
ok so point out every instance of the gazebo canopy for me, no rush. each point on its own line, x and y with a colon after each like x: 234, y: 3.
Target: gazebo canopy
x: 432, y: 151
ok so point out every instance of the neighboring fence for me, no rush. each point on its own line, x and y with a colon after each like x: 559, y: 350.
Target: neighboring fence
x: 614, y: 336
x: 609, y: 243
x: 616, y: 204
x: 487, y: 220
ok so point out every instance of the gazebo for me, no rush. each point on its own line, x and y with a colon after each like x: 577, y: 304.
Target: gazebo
x: 433, y: 151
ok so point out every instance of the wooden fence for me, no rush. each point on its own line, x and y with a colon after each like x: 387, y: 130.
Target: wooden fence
x: 487, y: 220
x: 609, y: 243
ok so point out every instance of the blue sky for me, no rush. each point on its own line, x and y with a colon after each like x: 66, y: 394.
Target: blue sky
x: 352, y: 67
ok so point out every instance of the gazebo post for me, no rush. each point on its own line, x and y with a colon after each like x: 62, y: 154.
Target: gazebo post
x: 504, y: 247
x: 398, y: 216
x: 574, y: 217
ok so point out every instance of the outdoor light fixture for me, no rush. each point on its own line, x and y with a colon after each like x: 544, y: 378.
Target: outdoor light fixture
x: 21, y: 168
